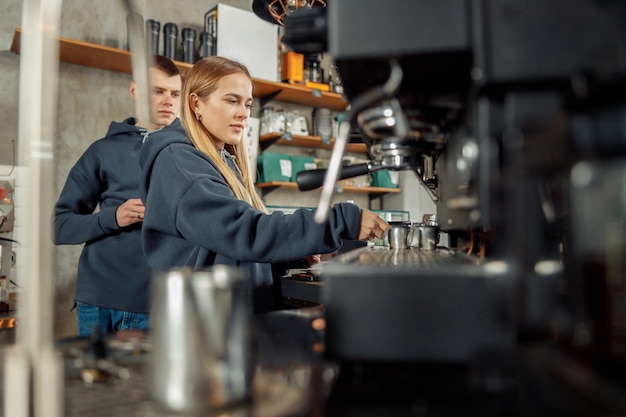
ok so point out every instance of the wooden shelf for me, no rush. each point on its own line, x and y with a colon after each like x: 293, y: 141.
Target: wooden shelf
x: 118, y: 60
x: 296, y: 94
x: 86, y: 54
x: 307, y: 142
x: 294, y: 186
x: 113, y: 59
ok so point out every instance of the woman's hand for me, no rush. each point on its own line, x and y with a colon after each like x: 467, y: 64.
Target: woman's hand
x: 313, y: 259
x: 372, y: 226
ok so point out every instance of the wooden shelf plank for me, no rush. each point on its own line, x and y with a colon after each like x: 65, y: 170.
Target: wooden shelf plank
x: 86, y: 54
x: 346, y: 188
x: 112, y: 59
x: 310, y: 142
x: 301, y: 95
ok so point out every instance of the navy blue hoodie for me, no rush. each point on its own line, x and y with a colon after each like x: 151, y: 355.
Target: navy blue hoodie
x: 112, y: 271
x: 193, y: 218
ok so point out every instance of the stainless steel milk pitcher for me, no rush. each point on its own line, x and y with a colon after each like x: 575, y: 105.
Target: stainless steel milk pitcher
x: 396, y: 234
x: 201, y: 332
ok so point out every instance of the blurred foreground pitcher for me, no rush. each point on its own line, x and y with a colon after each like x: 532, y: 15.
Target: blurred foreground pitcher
x: 201, y: 329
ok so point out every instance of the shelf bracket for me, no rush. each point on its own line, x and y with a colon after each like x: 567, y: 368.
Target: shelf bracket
x: 267, y: 143
x: 266, y: 99
x: 265, y: 191
x: 376, y: 196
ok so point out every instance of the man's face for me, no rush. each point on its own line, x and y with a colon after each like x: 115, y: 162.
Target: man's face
x: 164, y: 98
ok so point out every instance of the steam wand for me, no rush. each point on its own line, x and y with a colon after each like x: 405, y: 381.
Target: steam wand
x: 360, y: 103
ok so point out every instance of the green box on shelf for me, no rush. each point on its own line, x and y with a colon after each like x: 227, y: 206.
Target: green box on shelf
x: 274, y: 166
x: 301, y: 163
x: 394, y: 215
x: 385, y: 178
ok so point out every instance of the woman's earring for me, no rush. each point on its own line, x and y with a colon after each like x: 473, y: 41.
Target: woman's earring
x: 198, y: 117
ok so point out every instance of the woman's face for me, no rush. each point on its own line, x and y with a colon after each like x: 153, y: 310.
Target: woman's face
x: 225, y: 111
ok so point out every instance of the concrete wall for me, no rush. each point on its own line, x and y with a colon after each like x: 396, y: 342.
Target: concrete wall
x: 88, y: 100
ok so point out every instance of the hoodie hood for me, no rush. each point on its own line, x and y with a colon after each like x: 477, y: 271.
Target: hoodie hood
x: 127, y: 126
x: 156, y: 142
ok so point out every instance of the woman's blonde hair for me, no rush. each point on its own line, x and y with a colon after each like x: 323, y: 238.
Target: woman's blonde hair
x: 202, y: 80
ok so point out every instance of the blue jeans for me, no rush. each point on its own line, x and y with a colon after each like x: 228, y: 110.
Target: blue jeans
x: 109, y: 320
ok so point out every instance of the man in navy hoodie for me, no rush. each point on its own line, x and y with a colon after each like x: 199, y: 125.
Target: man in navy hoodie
x: 100, y: 207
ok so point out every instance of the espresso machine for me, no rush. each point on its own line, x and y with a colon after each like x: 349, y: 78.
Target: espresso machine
x: 512, y: 115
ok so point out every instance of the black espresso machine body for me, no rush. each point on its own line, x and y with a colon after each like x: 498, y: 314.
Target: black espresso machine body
x: 512, y: 116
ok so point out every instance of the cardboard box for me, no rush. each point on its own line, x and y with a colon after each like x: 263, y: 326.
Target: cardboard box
x: 242, y: 36
x: 293, y: 68
x: 317, y: 86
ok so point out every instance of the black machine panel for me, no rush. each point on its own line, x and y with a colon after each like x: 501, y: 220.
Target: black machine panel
x: 509, y: 113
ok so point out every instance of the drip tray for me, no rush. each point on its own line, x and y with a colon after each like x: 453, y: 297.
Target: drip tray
x: 411, y: 305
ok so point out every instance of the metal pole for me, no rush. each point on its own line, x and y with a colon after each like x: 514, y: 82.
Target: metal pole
x: 33, y: 377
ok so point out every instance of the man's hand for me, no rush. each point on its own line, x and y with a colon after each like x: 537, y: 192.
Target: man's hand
x: 130, y: 212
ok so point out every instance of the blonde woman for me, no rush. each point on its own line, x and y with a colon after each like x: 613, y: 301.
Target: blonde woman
x: 205, y: 209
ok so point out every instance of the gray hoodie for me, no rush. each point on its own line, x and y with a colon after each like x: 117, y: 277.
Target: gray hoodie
x: 112, y: 271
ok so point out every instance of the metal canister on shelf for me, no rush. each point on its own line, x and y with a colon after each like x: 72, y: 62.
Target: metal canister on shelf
x: 153, y: 28
x: 205, y: 45
x: 210, y: 26
x: 170, y: 37
x: 189, y: 45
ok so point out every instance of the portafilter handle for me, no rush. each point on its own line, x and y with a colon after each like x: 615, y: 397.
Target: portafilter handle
x: 314, y: 178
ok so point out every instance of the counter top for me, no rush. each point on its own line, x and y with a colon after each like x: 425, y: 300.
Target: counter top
x: 299, y: 292
x: 295, y: 378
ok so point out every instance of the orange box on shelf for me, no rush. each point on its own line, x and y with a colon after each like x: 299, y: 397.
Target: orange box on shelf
x: 317, y: 86
x: 293, y: 68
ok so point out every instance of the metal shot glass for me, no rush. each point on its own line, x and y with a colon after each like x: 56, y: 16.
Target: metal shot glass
x: 423, y: 237
x: 397, y: 234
